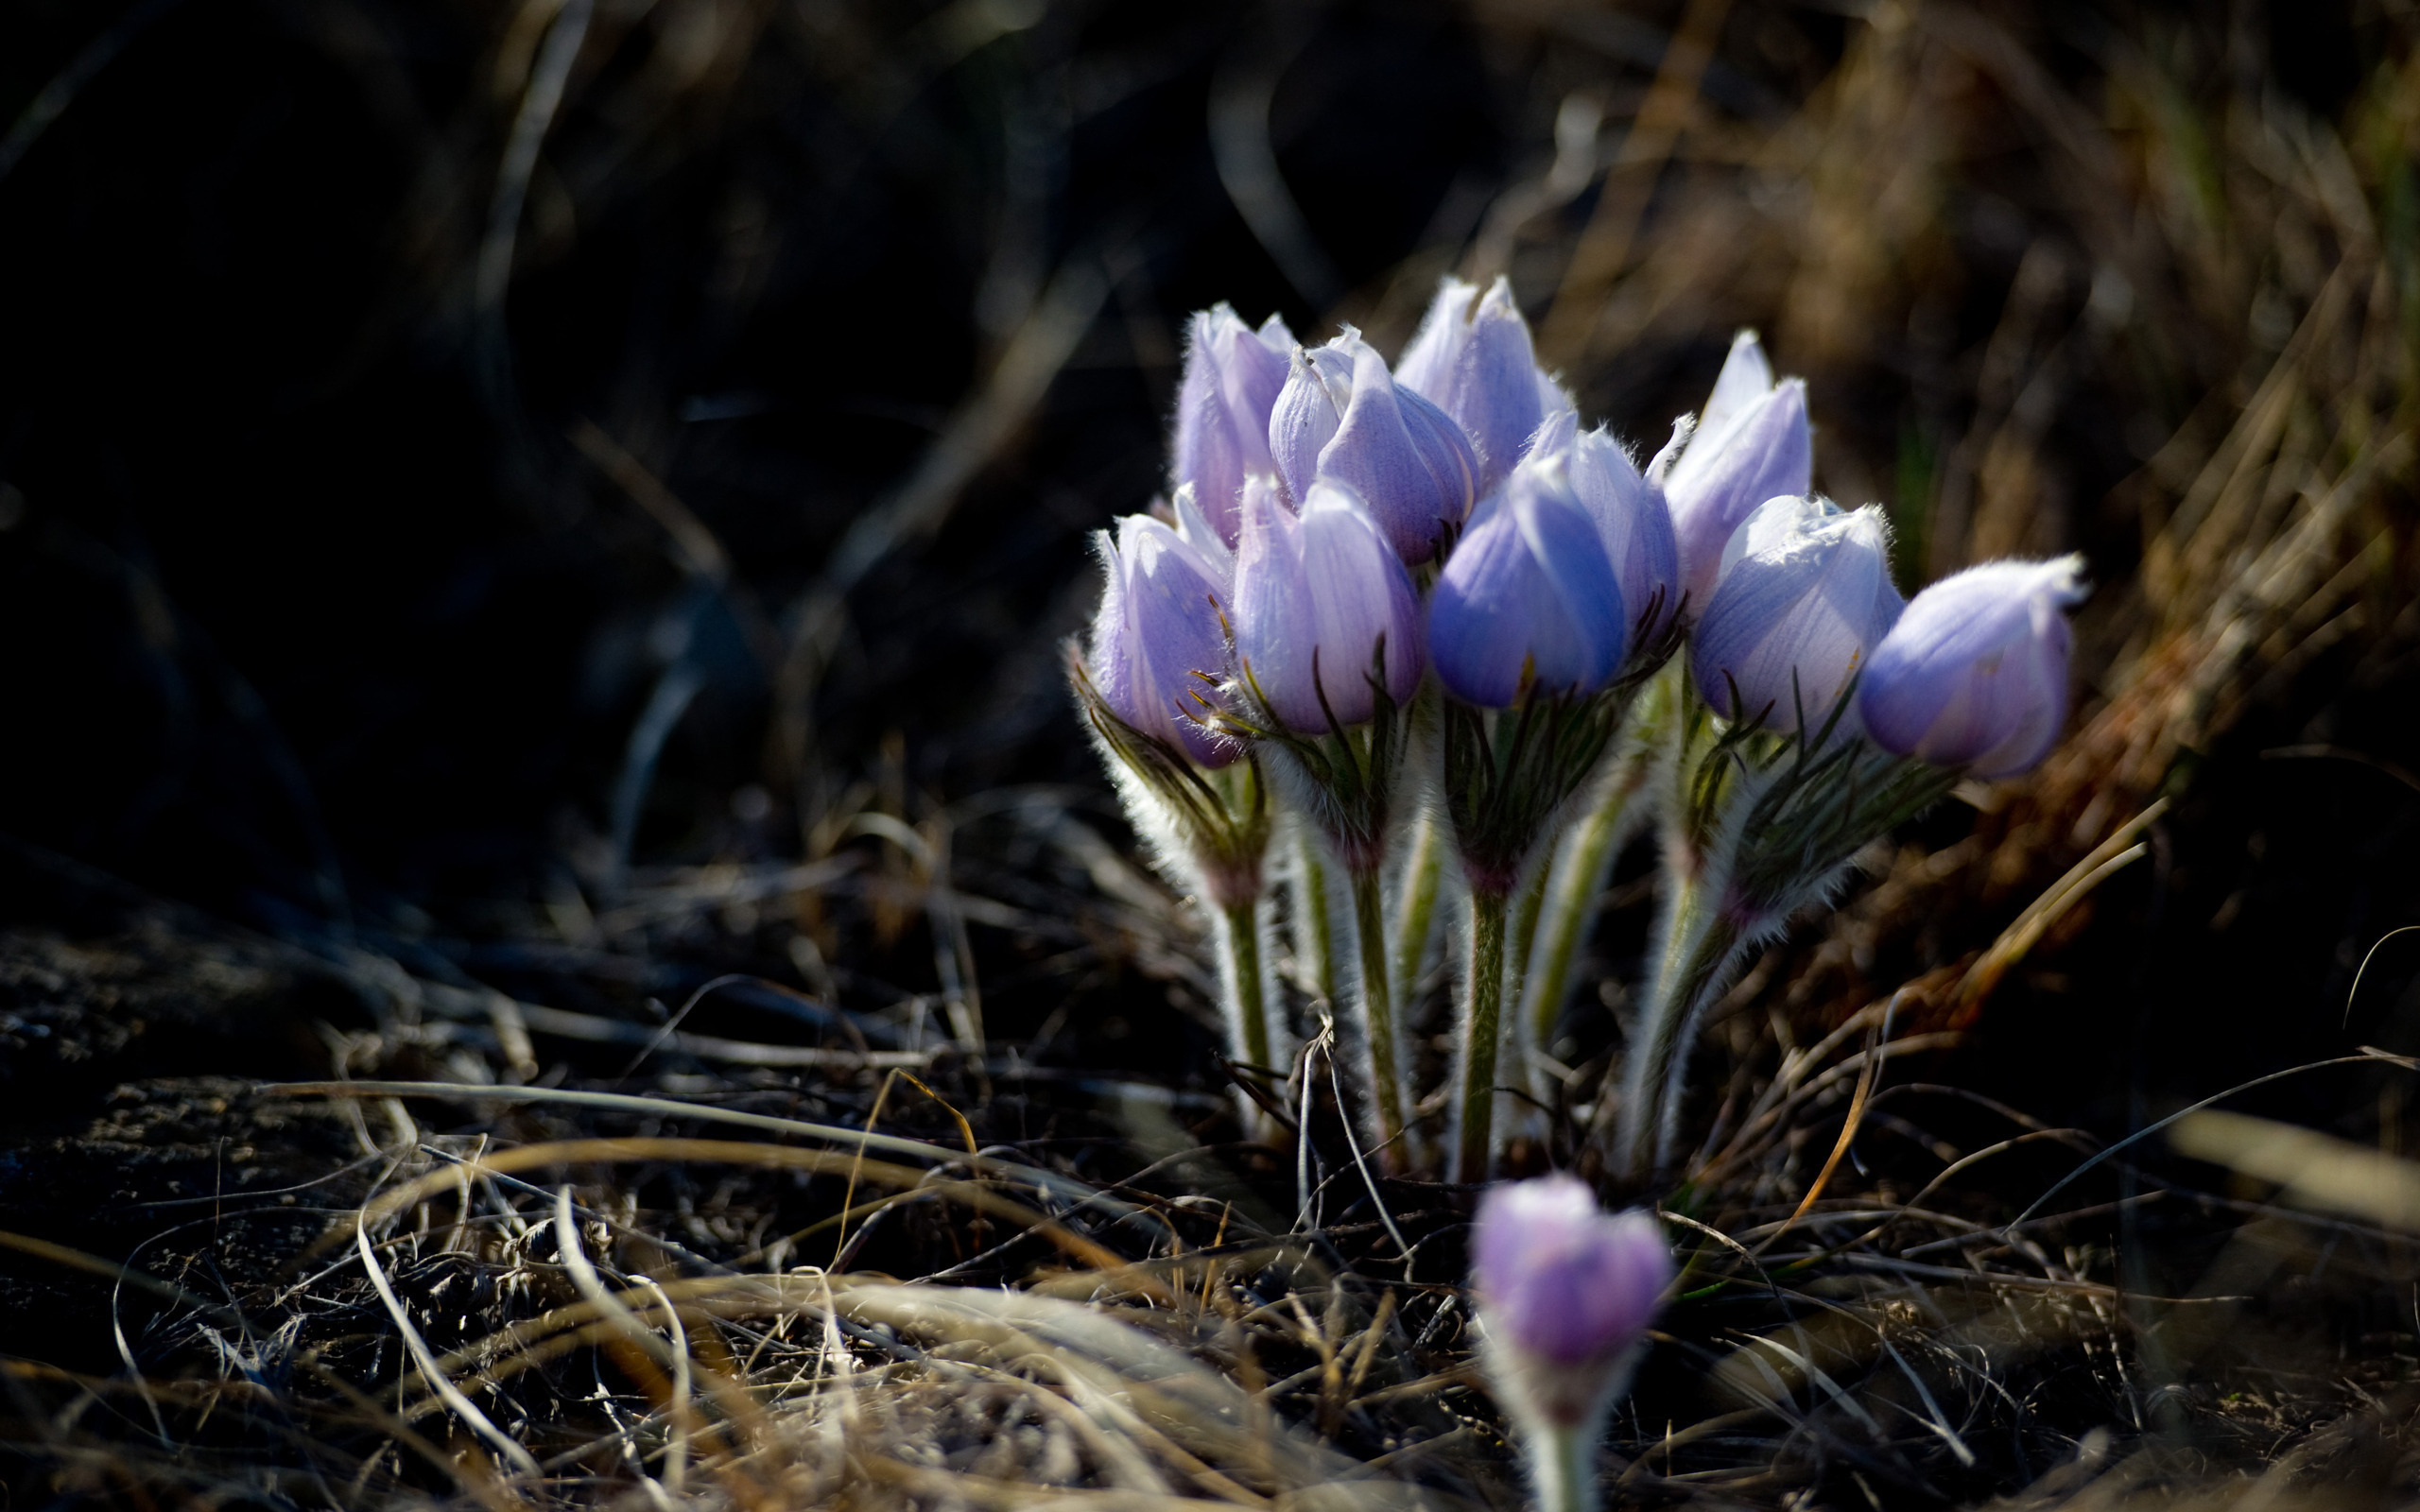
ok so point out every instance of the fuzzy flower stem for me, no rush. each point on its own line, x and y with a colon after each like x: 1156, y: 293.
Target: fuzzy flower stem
x: 1242, y: 965
x: 1702, y: 942
x: 1416, y: 908
x: 1563, y: 1469
x: 1482, y: 1029
x: 1378, y: 1018
x: 1580, y: 874
x: 1527, y: 906
x: 1315, y: 929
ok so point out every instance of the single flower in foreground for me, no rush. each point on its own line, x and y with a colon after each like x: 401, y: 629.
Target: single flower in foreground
x: 1566, y: 1294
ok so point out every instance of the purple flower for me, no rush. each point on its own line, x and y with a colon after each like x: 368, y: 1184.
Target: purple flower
x: 1315, y: 597
x: 1975, y: 673
x: 1528, y: 597
x: 1567, y: 1293
x: 1631, y: 517
x: 1342, y: 416
x: 1752, y: 444
x: 1474, y: 358
x: 1157, y: 626
x: 1232, y: 376
x: 1804, y: 597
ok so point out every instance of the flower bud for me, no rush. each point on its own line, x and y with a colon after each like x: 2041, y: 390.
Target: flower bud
x: 1157, y: 626
x: 1975, y: 673
x: 1528, y: 597
x: 1473, y: 357
x: 1342, y: 416
x: 1804, y: 597
x: 1752, y: 444
x: 1232, y: 377
x: 1567, y: 1293
x: 1631, y: 517
x: 1317, y: 596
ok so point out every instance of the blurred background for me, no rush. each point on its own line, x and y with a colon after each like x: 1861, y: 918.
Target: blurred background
x: 463, y: 465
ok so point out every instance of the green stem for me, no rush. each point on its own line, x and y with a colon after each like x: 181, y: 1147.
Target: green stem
x: 1579, y: 877
x: 1248, y: 1028
x: 1311, y: 916
x: 1527, y: 906
x: 1417, y: 906
x: 1246, y: 1010
x: 1482, y: 1029
x: 1563, y: 1469
x: 1693, y: 968
x: 1378, y: 1021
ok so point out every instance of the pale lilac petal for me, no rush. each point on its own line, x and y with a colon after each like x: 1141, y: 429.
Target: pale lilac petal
x: 1231, y: 380
x: 1301, y: 424
x: 1976, y: 673
x: 1158, y: 627
x: 1412, y: 465
x: 1632, y: 521
x: 1795, y: 616
x: 1528, y: 589
x: 1746, y: 377
x: 1316, y: 596
x: 1720, y: 480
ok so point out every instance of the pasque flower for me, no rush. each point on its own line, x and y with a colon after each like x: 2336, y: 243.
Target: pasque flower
x: 1158, y: 626
x: 1318, y: 595
x: 1804, y: 597
x: 1529, y: 599
x: 1566, y: 1294
x: 1341, y: 416
x: 1472, y: 357
x: 1752, y: 444
x: 1975, y: 673
x: 1232, y: 377
x: 1630, y: 516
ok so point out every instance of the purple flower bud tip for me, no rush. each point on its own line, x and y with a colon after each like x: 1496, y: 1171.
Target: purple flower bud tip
x: 1529, y: 599
x: 1747, y: 376
x: 1232, y: 377
x: 1472, y: 357
x: 1566, y: 1292
x: 1804, y: 597
x: 1975, y: 673
x: 1158, y: 626
x: 1752, y: 444
x: 1342, y: 416
x: 1315, y: 597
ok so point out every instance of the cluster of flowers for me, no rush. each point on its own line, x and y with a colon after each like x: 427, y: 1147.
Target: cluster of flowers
x: 1389, y: 613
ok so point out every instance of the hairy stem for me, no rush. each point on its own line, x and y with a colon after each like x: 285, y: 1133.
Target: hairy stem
x: 1482, y: 1029
x: 1416, y: 907
x: 1246, y: 1000
x: 1247, y: 1010
x: 1580, y: 875
x: 1314, y: 929
x: 1527, y: 904
x: 1701, y: 946
x: 1563, y: 1469
x: 1378, y: 1021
